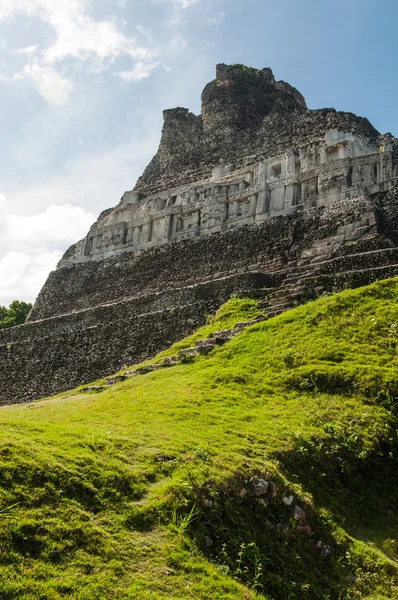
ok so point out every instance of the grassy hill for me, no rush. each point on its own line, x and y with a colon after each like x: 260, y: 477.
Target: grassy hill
x: 147, y: 490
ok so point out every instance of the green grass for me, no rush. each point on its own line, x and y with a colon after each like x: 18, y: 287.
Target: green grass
x: 106, y: 495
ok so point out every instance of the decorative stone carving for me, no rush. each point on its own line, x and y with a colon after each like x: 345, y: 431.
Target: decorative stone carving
x: 158, y: 229
x: 191, y: 220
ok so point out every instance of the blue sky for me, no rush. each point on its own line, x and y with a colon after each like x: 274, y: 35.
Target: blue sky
x: 83, y: 85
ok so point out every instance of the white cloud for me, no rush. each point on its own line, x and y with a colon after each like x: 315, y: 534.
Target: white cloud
x: 79, y: 38
x: 28, y: 50
x: 95, y: 181
x: 33, y: 245
x: 217, y: 18
x: 186, y: 3
x: 58, y: 224
x: 23, y: 274
x: 145, y: 32
x: 49, y: 83
x: 179, y: 3
x: 140, y: 71
x: 3, y: 206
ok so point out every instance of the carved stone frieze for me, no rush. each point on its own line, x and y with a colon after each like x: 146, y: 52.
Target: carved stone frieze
x: 274, y: 186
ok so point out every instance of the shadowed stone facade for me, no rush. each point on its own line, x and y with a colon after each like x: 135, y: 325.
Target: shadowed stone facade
x: 256, y: 195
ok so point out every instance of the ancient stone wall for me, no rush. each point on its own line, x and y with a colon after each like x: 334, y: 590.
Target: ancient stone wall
x: 255, y: 152
x: 246, y: 116
x: 93, y: 318
x: 58, y: 353
x: 272, y: 196
x: 268, y: 246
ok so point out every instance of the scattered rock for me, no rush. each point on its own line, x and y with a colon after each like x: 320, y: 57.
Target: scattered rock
x: 147, y: 369
x: 169, y: 360
x: 227, y: 334
x: 298, y: 514
x: 326, y: 552
x: 114, y: 379
x: 208, y: 541
x: 207, y: 503
x: 130, y: 373
x: 243, y: 324
x: 93, y: 388
x: 41, y: 530
x: 259, y: 487
x: 303, y: 528
x: 207, y: 342
x: 283, y: 528
x: 288, y: 500
x: 187, y: 352
x: 203, y: 349
x: 242, y: 492
x: 165, y: 458
x: 324, y: 549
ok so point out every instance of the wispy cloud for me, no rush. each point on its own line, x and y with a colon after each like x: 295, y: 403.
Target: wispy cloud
x: 60, y: 168
x: 187, y: 3
x: 79, y: 39
x: 31, y: 245
x: 34, y: 244
x: 141, y: 70
x: 179, y: 3
x: 52, y: 86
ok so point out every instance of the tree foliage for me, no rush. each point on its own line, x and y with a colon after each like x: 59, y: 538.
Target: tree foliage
x: 15, y: 314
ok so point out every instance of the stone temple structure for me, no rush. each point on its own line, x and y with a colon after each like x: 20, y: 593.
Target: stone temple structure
x: 256, y: 195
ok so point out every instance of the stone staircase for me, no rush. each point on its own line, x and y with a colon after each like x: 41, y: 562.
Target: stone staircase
x: 201, y: 347
x: 307, y: 282
x: 301, y: 283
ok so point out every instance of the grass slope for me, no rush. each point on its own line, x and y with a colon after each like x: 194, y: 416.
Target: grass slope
x: 135, y: 492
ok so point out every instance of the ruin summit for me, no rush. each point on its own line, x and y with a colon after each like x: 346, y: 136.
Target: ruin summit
x: 258, y: 195
x: 255, y: 152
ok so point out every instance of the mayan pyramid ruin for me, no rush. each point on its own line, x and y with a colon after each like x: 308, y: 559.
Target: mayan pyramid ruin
x: 257, y: 195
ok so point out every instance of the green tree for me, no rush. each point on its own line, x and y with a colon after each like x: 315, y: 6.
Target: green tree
x: 15, y: 314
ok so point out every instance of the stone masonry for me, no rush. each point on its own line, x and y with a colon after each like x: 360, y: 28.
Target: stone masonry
x: 257, y: 195
x: 255, y: 152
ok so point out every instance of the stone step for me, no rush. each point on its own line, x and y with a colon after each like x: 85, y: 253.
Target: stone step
x: 169, y: 361
x: 227, y: 334
x: 278, y: 308
x: 279, y: 300
x: 275, y: 313
x: 379, y: 273
x: 143, y: 370
x: 296, y: 271
x: 196, y: 350
x: 297, y: 280
x: 93, y: 388
x: 244, y: 324
x: 275, y: 301
x: 384, y: 255
x: 213, y: 341
x: 322, y: 282
x: 114, y: 379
